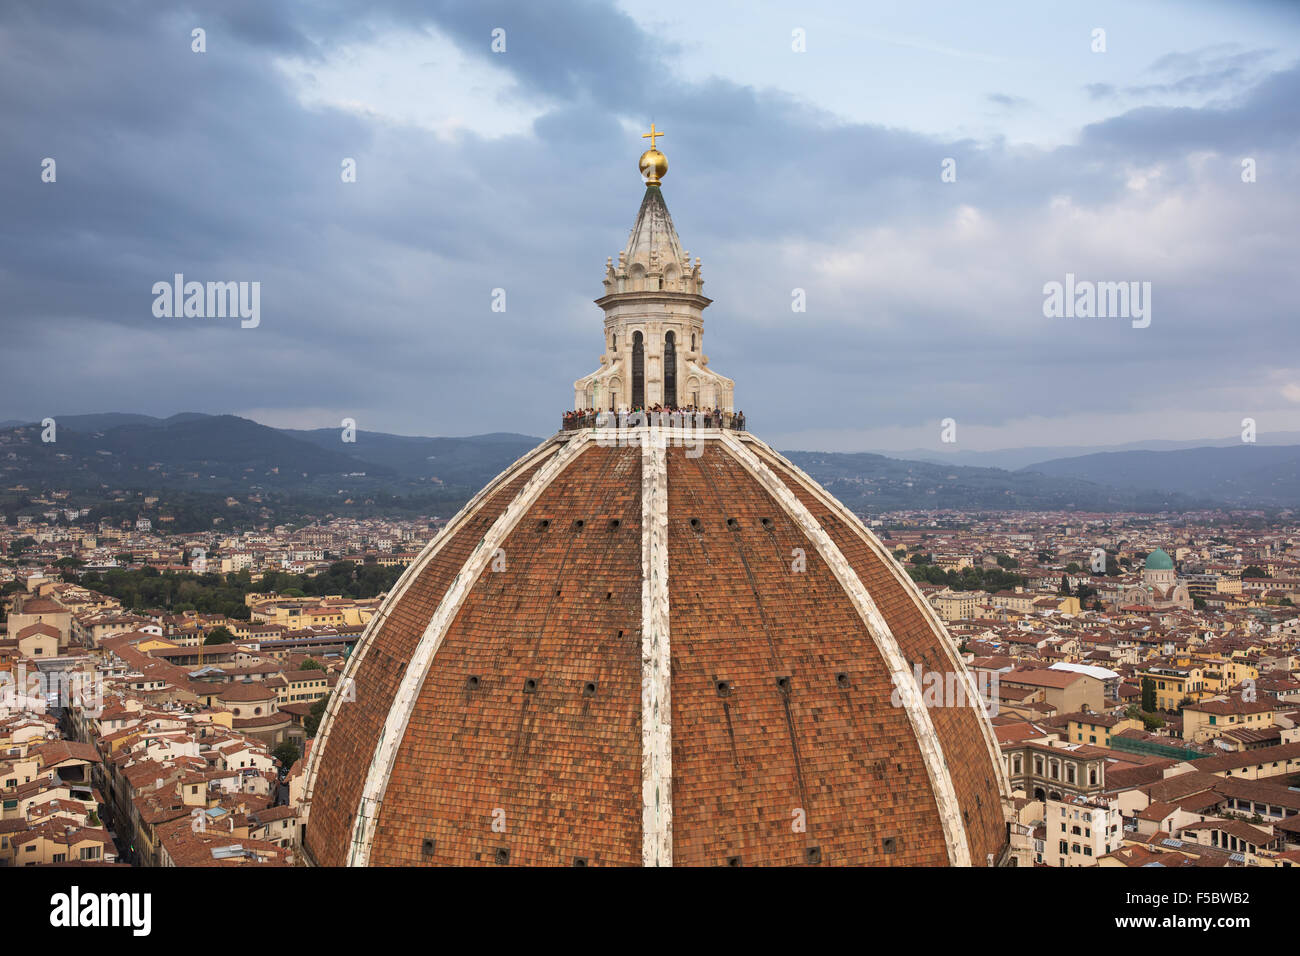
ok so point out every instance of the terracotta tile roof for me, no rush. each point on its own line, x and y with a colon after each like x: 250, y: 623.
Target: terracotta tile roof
x: 1128, y: 778
x: 41, y: 606
x: 60, y: 751
x: 1042, y: 677
x: 1230, y: 706
x: 245, y: 692
x: 188, y: 848
x: 1263, y: 757
x: 1238, y: 828
x: 38, y: 628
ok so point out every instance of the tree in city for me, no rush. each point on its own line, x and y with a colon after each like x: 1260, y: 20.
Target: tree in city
x: 287, y: 753
x: 219, y: 635
x: 1148, y: 695
x: 311, y: 723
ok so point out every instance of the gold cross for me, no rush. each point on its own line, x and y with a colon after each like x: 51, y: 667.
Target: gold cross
x: 651, y: 135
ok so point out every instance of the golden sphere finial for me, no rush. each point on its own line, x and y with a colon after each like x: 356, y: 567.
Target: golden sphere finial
x: 653, y: 164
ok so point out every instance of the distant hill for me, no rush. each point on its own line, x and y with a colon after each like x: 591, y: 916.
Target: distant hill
x: 471, y: 461
x: 95, y: 423
x: 202, y: 450
x: 225, y: 453
x: 1023, y: 458
x: 874, y: 483
x: 1242, y: 474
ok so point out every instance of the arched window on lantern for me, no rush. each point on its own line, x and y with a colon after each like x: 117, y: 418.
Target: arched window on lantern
x: 670, y: 370
x: 638, y: 371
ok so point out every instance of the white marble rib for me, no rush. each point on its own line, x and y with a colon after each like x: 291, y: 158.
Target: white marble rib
x: 656, y: 661
x: 936, y: 766
x: 408, y: 692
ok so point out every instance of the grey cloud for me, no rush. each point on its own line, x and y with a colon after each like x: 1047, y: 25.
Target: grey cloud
x: 376, y: 294
x: 1011, y: 102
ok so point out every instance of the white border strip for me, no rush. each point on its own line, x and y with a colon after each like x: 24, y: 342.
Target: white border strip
x: 408, y: 692
x: 945, y: 795
x: 408, y: 576
x: 656, y: 659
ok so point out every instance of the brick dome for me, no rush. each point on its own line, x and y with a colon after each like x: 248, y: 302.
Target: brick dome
x: 623, y: 654
x: 653, y: 645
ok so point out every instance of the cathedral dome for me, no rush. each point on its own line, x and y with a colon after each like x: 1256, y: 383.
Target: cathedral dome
x: 650, y: 646
x: 1158, y: 560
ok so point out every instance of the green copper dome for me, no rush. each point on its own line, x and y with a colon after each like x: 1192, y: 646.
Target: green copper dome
x: 1158, y: 560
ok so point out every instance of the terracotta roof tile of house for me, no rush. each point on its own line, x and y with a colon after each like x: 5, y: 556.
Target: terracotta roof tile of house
x: 1238, y: 828
x: 1181, y: 785
x: 58, y: 807
x: 37, y: 628
x: 64, y: 831
x: 271, y: 814
x: 245, y: 692
x: 1131, y: 777
x: 1137, y: 856
x: 41, y: 606
x: 1233, y: 706
x: 188, y: 848
x: 1263, y: 757
x: 1259, y: 791
x: 1156, y: 811
x: 1201, y: 855
x: 60, y: 751
x: 1042, y: 677
x: 1088, y: 717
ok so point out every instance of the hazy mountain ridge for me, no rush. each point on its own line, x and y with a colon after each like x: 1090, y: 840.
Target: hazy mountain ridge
x: 224, y: 452
x: 1014, y: 459
x: 201, y: 451
x: 872, y: 483
x: 1244, y: 473
x: 474, y: 460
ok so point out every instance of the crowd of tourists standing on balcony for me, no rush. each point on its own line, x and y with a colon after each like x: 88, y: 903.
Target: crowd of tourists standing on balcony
x: 656, y: 415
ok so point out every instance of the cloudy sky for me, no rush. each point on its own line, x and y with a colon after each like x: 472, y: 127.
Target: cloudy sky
x: 817, y: 169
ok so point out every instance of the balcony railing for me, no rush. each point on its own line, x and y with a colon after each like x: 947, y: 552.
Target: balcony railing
x: 575, y: 421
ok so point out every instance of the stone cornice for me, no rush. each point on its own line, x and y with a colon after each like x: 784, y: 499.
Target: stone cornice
x: 656, y: 296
